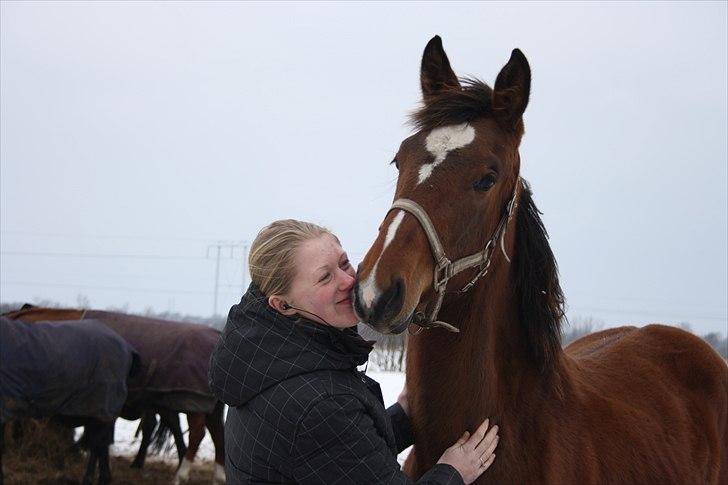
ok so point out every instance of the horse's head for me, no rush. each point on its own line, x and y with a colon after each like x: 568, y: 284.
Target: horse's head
x: 461, y: 168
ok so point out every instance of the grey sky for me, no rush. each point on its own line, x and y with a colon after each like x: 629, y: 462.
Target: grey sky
x: 156, y: 129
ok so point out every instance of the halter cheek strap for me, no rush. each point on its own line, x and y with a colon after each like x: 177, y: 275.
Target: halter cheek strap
x: 446, y: 269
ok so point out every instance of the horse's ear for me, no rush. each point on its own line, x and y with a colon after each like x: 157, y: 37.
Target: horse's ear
x: 512, y: 88
x: 436, y: 75
x: 27, y: 306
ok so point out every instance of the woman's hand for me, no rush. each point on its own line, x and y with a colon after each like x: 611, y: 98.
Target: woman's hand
x: 472, y: 455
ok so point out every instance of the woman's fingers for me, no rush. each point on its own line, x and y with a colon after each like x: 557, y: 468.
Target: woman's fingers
x: 488, y: 440
x: 479, y: 434
x: 472, y: 454
x: 489, y: 451
x: 488, y: 462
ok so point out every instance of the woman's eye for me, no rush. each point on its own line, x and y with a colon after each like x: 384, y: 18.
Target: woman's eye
x: 485, y: 183
x: 324, y: 277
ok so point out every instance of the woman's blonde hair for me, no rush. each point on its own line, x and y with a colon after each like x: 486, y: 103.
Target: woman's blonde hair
x: 272, y: 256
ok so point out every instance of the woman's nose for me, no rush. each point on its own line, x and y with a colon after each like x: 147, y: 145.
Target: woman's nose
x: 347, y: 281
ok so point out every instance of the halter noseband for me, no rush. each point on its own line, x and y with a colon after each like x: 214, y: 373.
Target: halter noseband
x: 446, y: 269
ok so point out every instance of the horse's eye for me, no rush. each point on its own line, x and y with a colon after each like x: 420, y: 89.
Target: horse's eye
x: 485, y: 183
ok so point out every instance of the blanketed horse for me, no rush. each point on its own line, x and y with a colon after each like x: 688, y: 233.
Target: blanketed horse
x: 175, y: 359
x: 463, y: 260
x: 74, y: 371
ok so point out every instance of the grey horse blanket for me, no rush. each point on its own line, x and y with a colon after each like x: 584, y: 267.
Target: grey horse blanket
x: 67, y: 368
x: 175, y: 358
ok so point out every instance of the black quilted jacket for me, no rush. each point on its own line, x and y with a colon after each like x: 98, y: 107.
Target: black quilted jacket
x: 300, y: 412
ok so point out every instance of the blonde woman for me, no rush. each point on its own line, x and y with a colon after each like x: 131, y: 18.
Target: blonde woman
x: 286, y: 364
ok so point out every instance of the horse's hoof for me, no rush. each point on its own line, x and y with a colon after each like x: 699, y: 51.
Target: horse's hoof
x: 219, y: 477
x: 183, y: 472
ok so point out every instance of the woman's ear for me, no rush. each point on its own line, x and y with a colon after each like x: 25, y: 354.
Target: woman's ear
x: 279, y: 304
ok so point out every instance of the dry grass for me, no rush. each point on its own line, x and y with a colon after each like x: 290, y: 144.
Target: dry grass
x: 42, y: 457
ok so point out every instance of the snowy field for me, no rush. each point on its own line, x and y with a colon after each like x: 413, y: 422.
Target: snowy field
x: 125, y: 444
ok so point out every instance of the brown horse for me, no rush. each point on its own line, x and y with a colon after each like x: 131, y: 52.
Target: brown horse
x: 626, y: 405
x: 172, y: 379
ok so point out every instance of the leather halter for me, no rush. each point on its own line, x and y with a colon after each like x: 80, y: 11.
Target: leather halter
x: 446, y: 269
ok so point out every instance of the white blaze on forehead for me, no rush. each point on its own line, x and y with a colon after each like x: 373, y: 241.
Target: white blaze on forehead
x: 369, y: 290
x: 392, y: 230
x: 442, y: 141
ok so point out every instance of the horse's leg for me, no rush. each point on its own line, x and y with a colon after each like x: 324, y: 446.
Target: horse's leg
x: 91, y: 431
x: 216, y: 427
x: 148, y: 423
x: 106, y: 437
x: 196, y: 422
x: 2, y: 448
x: 171, y: 420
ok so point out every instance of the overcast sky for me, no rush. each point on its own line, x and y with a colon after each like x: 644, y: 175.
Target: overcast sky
x: 135, y: 135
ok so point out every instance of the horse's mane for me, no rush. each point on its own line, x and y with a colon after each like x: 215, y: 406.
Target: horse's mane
x: 539, y: 296
x: 454, y: 106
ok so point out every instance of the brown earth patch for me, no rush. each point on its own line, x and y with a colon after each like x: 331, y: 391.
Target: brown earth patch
x: 40, y: 454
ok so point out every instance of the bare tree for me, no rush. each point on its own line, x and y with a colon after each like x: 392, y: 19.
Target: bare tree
x: 579, y: 327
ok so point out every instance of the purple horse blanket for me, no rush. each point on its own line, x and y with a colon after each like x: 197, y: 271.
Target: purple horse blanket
x: 68, y: 368
x: 175, y: 356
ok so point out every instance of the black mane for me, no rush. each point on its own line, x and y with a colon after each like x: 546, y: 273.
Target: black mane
x: 454, y: 106
x: 539, y: 295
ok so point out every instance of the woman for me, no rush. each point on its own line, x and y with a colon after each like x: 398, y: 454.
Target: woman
x: 300, y: 412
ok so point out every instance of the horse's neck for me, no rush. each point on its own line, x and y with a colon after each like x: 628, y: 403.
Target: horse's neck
x: 488, y: 356
x: 483, y: 371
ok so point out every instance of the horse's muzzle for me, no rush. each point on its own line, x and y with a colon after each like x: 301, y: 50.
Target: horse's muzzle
x: 381, y: 315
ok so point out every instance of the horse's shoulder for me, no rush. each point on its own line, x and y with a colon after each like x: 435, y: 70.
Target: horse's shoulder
x: 598, y: 341
x: 661, y: 352
x: 651, y: 340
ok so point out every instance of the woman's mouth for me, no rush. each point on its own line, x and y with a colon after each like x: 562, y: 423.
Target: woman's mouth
x: 345, y: 301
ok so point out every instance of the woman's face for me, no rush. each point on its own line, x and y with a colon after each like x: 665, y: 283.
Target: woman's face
x: 322, y: 283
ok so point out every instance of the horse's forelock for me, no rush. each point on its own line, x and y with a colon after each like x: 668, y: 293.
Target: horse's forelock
x: 454, y: 106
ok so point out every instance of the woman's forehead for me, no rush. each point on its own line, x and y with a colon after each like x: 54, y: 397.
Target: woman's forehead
x: 318, y: 252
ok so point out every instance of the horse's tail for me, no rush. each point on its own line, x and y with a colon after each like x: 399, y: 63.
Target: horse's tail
x: 161, y: 440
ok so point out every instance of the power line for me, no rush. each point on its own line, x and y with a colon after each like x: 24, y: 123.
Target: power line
x: 106, y: 236
x: 113, y: 288
x: 100, y: 255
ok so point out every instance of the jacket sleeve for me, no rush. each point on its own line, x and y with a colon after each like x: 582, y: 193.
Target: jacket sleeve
x: 401, y: 426
x: 337, y: 443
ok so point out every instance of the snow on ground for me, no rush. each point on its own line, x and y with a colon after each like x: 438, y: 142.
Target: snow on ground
x: 125, y: 444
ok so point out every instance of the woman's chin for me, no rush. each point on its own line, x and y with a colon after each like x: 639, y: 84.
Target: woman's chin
x: 347, y: 317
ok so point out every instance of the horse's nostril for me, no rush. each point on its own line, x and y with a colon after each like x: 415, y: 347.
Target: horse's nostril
x: 398, y: 287
x: 390, y: 303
